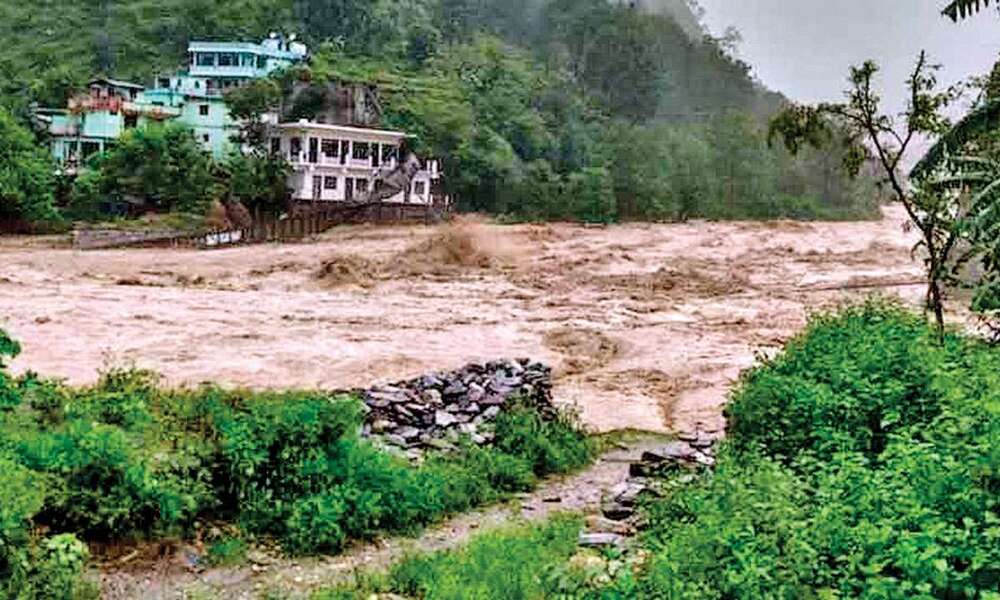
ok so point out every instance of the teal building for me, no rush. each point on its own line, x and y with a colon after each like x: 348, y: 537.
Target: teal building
x: 214, y: 68
x: 94, y: 120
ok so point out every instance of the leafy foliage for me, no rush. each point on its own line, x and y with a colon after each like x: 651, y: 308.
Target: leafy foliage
x: 126, y: 457
x: 522, y: 100
x: 962, y: 9
x: 26, y: 177
x: 162, y: 166
x: 862, y: 463
x: 870, y: 135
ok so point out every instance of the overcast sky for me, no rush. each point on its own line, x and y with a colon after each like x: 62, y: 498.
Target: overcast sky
x: 803, y: 48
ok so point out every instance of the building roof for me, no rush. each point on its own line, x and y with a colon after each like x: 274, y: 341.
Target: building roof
x: 251, y: 47
x: 117, y: 83
x: 309, y: 125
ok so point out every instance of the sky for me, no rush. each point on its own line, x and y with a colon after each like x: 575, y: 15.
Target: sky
x: 803, y: 48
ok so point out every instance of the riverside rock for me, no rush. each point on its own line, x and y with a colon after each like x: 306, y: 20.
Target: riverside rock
x: 433, y: 411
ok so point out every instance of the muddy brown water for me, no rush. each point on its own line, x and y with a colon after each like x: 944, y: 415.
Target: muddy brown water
x: 647, y: 325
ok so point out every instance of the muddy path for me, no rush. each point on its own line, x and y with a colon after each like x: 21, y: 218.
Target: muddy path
x: 647, y: 325
x: 173, y: 578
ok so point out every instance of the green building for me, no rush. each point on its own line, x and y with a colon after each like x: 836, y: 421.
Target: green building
x: 94, y: 120
x: 213, y: 68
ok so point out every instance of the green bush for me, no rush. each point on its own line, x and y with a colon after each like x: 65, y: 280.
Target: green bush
x: 864, y: 462
x: 128, y: 458
x: 9, y: 395
x: 849, y: 382
x: 550, y: 446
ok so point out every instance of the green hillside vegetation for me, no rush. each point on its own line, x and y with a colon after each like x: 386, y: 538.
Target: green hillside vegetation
x: 541, y: 109
x: 862, y: 462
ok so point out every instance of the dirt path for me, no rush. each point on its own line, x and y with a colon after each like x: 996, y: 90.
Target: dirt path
x: 647, y: 324
x: 170, y: 580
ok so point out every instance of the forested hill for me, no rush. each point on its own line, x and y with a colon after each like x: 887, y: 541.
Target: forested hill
x: 54, y: 46
x: 580, y: 109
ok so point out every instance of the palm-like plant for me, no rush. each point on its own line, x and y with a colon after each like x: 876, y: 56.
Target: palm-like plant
x: 961, y: 9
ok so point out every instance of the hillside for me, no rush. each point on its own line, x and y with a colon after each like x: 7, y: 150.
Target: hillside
x: 540, y: 109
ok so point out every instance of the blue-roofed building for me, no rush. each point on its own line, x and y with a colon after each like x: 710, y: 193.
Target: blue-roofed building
x: 214, y: 68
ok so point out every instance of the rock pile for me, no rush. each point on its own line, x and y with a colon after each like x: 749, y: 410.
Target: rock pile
x: 435, y: 411
x: 690, y: 452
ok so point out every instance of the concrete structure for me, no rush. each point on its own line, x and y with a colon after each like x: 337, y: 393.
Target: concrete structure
x: 337, y: 163
x: 94, y: 120
x: 213, y: 68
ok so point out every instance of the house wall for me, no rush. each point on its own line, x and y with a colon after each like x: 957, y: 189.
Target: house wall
x: 338, y: 178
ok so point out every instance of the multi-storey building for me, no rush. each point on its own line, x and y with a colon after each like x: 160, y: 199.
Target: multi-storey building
x: 94, y: 120
x: 338, y: 163
x: 213, y: 68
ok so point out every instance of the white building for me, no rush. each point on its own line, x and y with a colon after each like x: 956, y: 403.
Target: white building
x: 337, y: 163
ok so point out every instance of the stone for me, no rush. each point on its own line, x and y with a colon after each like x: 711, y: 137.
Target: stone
x: 471, y: 408
x: 396, y: 440
x: 598, y: 524
x: 617, y: 512
x: 673, y: 451
x: 493, y: 399
x: 491, y: 412
x: 430, y: 381
x: 432, y: 397
x: 552, y: 499
x: 382, y: 425
x: 456, y: 388
x: 475, y: 393
x: 443, y: 418
x: 408, y: 433
x: 630, y: 495
x: 600, y: 540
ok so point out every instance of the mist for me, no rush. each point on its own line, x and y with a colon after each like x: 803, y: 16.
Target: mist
x: 804, y: 48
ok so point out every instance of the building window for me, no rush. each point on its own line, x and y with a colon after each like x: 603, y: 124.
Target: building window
x: 206, y: 59
x: 205, y: 138
x: 203, y: 110
x: 361, y: 185
x: 227, y: 59
x: 90, y: 149
x: 329, y: 183
x: 419, y: 188
x: 389, y: 153
x: 261, y: 62
x: 131, y: 121
x: 330, y: 148
x: 295, y: 149
x: 275, y: 145
x: 361, y: 151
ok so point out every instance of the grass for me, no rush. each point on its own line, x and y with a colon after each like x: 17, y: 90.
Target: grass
x: 522, y: 562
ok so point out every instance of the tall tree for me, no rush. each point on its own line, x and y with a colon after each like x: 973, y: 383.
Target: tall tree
x: 874, y: 134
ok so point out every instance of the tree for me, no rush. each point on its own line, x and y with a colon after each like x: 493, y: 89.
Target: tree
x: 871, y: 133
x: 159, y: 167
x: 962, y: 9
x: 27, y: 183
x: 258, y: 180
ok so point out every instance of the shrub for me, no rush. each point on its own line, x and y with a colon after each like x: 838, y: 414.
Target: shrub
x: 550, y: 446
x: 863, y: 463
x: 125, y: 458
x: 9, y: 395
x: 849, y: 382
